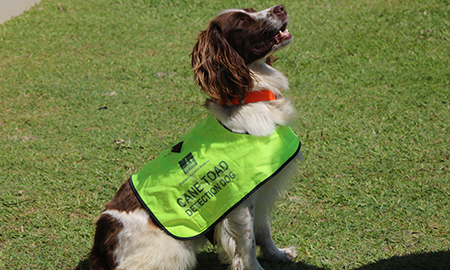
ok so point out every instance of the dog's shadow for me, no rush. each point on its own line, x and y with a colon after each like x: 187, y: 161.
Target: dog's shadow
x: 420, y: 261
x: 210, y: 261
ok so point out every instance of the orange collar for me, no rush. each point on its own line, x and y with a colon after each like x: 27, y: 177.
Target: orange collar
x: 255, y: 96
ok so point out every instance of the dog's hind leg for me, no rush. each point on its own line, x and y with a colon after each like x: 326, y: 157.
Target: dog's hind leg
x: 236, y: 240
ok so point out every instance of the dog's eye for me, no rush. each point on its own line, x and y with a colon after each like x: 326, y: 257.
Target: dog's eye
x: 241, y: 20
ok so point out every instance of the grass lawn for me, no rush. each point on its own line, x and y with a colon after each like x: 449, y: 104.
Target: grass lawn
x: 91, y: 90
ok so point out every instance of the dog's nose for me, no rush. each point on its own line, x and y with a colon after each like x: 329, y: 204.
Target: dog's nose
x: 279, y: 10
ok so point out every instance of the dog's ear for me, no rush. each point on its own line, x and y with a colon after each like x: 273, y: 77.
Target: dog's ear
x: 218, y: 69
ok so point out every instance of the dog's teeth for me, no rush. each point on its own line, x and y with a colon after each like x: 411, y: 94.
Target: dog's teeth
x: 281, y: 33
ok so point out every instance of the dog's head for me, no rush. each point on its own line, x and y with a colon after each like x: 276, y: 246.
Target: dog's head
x: 235, y: 39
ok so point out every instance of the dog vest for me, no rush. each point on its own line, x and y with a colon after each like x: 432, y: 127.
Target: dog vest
x: 188, y: 188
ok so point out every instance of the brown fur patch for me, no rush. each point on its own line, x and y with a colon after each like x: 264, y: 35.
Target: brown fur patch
x: 125, y: 200
x: 108, y: 228
x: 105, y: 242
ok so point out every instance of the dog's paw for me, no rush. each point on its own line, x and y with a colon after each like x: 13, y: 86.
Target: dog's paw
x: 238, y: 264
x: 284, y: 255
x: 291, y: 253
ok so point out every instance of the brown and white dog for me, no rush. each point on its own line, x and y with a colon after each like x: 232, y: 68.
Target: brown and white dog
x: 230, y: 59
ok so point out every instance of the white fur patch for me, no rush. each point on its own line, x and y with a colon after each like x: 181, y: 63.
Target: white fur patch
x: 143, y: 246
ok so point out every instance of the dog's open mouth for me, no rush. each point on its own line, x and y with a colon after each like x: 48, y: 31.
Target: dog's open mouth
x: 281, y: 36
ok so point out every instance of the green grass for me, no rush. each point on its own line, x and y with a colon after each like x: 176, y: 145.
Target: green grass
x: 370, y: 79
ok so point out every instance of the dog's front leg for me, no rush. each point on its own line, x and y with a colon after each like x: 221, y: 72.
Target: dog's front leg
x: 269, y: 250
x: 236, y: 239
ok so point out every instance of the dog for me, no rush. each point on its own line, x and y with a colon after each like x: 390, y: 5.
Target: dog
x: 232, y: 63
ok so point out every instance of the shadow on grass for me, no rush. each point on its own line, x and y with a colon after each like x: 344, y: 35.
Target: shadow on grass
x: 420, y: 261
x: 424, y: 261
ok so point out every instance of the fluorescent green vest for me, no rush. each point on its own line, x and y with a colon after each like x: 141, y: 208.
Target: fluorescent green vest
x: 187, y: 189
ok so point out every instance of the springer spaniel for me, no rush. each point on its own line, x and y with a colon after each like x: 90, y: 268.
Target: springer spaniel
x: 232, y: 64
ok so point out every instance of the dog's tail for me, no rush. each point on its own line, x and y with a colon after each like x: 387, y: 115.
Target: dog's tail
x: 101, y: 256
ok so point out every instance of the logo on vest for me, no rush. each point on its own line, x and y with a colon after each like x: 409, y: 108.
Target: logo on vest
x: 188, y: 163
